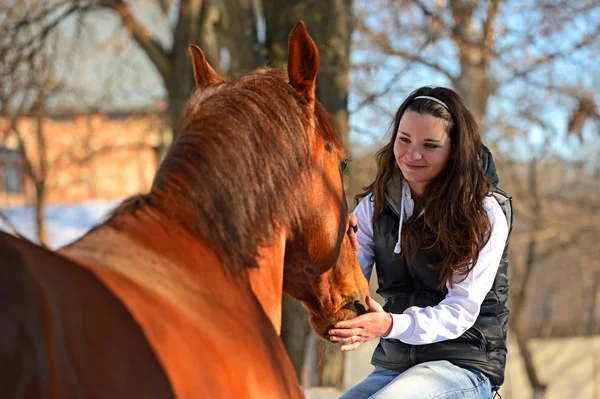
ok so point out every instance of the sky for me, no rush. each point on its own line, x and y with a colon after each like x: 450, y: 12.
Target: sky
x: 108, y: 68
x: 513, y: 96
x: 64, y: 222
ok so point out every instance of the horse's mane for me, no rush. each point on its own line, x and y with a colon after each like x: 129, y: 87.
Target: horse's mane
x: 235, y: 172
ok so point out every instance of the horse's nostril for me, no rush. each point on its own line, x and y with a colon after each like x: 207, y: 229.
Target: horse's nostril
x: 356, y: 307
x: 360, y: 308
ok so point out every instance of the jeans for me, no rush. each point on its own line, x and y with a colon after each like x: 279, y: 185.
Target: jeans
x: 440, y: 379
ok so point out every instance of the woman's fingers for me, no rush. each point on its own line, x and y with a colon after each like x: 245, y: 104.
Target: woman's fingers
x: 350, y: 335
x: 353, y: 221
x: 346, y: 332
x: 350, y: 347
x: 351, y: 339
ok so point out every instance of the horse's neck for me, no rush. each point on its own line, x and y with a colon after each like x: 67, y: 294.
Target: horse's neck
x: 150, y: 256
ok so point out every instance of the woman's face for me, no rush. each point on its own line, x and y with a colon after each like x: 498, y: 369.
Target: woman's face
x: 421, y: 148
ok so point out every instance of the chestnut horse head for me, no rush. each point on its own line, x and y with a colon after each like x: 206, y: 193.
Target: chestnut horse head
x: 283, y: 160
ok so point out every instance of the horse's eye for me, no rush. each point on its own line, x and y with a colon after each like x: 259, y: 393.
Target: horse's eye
x: 344, y: 164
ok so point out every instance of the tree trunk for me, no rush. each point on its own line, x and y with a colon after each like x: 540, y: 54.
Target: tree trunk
x: 238, y: 31
x: 40, y: 205
x: 196, y: 25
x: 294, y: 331
x: 214, y: 26
x: 518, y: 298
x: 39, y: 179
x: 474, y: 45
x: 330, y: 25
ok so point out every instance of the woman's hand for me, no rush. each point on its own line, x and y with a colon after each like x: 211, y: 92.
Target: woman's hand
x: 351, y: 230
x: 374, y: 324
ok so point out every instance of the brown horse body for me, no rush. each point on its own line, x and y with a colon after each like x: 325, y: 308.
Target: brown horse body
x: 178, y: 294
x: 198, y: 319
x: 65, y: 335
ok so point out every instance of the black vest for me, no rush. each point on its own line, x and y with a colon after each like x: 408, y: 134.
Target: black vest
x: 403, y: 284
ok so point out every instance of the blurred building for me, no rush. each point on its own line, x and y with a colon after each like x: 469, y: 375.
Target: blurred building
x: 90, y: 155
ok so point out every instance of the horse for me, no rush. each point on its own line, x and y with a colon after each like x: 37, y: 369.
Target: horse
x: 178, y: 293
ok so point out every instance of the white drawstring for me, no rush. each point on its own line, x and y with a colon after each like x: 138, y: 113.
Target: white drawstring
x: 406, y: 211
x: 398, y: 247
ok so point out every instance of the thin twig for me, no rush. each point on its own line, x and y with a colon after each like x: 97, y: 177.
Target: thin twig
x: 8, y: 223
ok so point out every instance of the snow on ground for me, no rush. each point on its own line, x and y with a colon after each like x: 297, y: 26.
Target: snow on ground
x: 64, y: 222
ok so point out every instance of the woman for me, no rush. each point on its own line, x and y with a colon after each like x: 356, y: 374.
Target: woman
x: 436, y: 226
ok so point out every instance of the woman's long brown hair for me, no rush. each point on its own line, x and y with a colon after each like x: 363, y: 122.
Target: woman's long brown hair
x: 455, y: 222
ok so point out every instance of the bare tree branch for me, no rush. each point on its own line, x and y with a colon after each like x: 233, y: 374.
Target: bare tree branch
x: 10, y: 225
x: 488, y: 27
x: 454, y: 32
x: 549, y: 57
x: 383, y: 42
x: 157, y: 54
x: 69, y: 158
x: 391, y: 82
x: 37, y: 39
x: 565, y: 244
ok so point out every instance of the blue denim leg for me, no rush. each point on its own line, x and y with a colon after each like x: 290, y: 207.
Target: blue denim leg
x: 439, y: 380
x: 374, y: 382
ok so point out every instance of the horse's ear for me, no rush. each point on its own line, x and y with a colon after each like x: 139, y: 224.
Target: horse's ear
x: 303, y: 62
x: 204, y: 75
